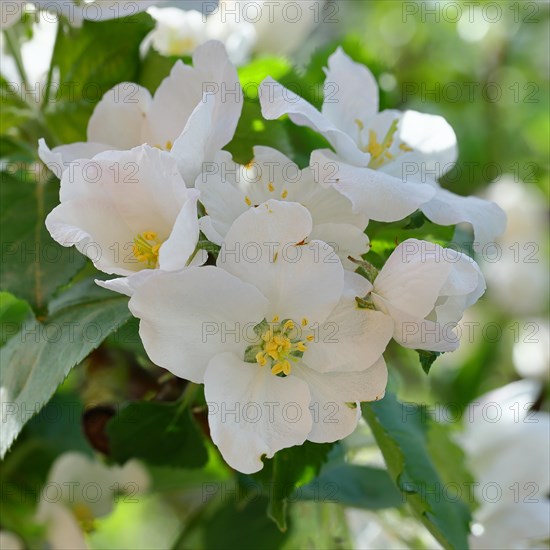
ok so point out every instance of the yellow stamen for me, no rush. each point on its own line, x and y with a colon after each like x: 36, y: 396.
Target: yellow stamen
x: 270, y: 187
x: 281, y: 367
x: 310, y: 338
x: 284, y: 194
x: 277, y: 346
x: 304, y: 322
x: 84, y: 516
x: 248, y: 201
x: 146, y: 248
x: 168, y: 146
x: 289, y: 325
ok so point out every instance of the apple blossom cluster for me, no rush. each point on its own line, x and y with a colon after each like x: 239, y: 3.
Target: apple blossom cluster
x: 244, y: 277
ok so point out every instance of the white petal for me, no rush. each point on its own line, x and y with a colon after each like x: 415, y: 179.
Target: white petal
x: 377, y: 195
x: 120, y: 118
x: 276, y: 101
x: 463, y: 288
x: 352, y: 338
x: 418, y: 333
x: 59, y: 158
x: 433, y: 142
x: 115, y: 196
x: 413, y: 276
x: 333, y: 419
x: 178, y: 95
x: 62, y: 528
x: 487, y: 218
x: 221, y: 196
x: 351, y: 92
x: 176, y: 251
x: 126, y: 285
x: 187, y: 317
x: 96, y: 229
x: 253, y: 413
x: 299, y: 280
x: 193, y: 146
x: 346, y: 239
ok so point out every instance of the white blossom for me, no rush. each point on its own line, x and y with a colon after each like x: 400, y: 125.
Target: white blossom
x: 129, y: 212
x: 228, y: 189
x: 425, y: 289
x: 273, y: 331
x: 387, y: 163
x: 193, y: 114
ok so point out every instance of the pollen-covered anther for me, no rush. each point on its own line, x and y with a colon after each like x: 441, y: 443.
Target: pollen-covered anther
x: 279, y: 346
x: 146, y: 248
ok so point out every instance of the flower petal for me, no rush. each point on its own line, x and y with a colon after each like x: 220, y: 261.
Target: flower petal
x: 352, y: 338
x: 253, y: 413
x: 351, y: 92
x: 276, y: 101
x: 120, y: 118
x: 487, y: 218
x: 263, y: 248
x: 413, y: 276
x: 178, y: 95
x: 333, y: 418
x: 59, y: 158
x: 377, y: 195
x: 431, y: 138
x: 194, y: 145
x: 187, y: 317
x: 176, y: 251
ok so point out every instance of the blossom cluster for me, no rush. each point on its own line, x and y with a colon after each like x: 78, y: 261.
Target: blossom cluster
x: 244, y: 277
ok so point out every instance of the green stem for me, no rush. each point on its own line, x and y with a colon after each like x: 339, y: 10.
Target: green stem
x: 13, y: 47
x: 49, y: 78
x: 187, y: 397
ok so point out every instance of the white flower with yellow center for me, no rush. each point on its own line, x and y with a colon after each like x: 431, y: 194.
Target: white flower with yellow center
x: 80, y: 490
x: 180, y: 32
x: 194, y: 113
x: 387, y: 163
x: 229, y: 189
x: 273, y: 331
x: 129, y: 212
x: 425, y: 289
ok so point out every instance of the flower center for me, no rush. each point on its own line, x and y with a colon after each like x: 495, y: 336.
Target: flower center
x: 167, y: 146
x: 379, y: 151
x: 146, y: 248
x: 84, y: 516
x: 279, y: 344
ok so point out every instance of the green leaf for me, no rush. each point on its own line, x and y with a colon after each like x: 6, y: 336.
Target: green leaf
x: 37, y: 359
x: 450, y: 459
x: 33, y: 265
x: 91, y: 60
x: 13, y: 313
x: 161, y: 434
x: 288, y: 469
x: 155, y: 68
x: 253, y: 130
x: 352, y: 485
x: 400, y: 431
x: 244, y: 527
x: 427, y: 358
x: 253, y: 74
